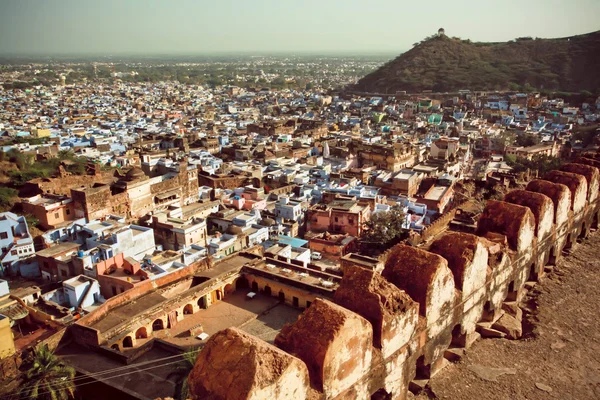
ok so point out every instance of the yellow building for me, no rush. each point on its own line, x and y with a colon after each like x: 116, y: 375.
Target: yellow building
x: 7, y: 343
x: 40, y: 133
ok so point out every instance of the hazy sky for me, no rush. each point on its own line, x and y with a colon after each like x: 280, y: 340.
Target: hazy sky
x: 199, y: 26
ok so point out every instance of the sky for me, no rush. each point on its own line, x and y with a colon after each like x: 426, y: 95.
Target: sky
x: 111, y: 27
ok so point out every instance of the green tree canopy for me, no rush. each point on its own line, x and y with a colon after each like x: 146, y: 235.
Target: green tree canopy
x: 384, y: 227
x: 47, y: 378
x: 181, y: 374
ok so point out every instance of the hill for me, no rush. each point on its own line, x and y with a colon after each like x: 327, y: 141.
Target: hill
x: 444, y: 64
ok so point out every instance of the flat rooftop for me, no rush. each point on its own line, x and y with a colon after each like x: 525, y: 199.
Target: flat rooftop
x: 436, y: 192
x: 58, y: 249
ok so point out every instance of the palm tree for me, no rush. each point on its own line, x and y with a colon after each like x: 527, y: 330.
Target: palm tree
x: 47, y: 378
x: 181, y: 373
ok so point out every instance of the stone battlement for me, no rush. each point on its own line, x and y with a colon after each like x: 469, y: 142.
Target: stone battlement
x: 382, y: 331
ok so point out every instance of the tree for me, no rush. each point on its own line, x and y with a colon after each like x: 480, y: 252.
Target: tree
x: 65, y: 155
x: 383, y: 227
x: 47, y: 378
x: 585, y: 136
x: 182, y: 373
x: 527, y: 139
x: 7, y: 198
x: 541, y: 164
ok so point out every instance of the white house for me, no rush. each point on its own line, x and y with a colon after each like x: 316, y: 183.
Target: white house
x: 16, y: 242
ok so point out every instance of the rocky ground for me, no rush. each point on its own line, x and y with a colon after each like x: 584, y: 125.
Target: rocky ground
x: 559, y: 354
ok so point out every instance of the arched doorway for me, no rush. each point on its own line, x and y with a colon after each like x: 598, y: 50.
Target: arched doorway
x: 202, y: 303
x: 188, y: 309
x: 268, y: 290
x: 128, y: 341
x: 115, y: 347
x: 228, y: 289
x: 282, y: 296
x: 158, y: 325
x: 255, y: 287
x: 241, y: 283
x: 219, y: 295
x: 141, y: 333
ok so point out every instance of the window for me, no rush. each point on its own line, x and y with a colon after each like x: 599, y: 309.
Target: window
x: 14, y: 252
x: 114, y: 290
x: 3, y: 235
x: 336, y: 219
x: 55, y: 215
x: 68, y: 211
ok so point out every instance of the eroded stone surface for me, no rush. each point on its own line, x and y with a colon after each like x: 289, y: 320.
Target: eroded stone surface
x: 391, y: 311
x: 335, y: 343
x: 514, y: 221
x: 540, y: 205
x: 576, y: 184
x: 235, y: 365
x: 591, y: 176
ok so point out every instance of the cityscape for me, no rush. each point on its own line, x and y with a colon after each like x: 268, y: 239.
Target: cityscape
x: 418, y: 223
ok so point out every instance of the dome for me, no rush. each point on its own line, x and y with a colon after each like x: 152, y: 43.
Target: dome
x: 268, y: 221
x: 135, y: 173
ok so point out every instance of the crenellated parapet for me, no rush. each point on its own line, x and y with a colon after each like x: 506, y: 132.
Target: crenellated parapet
x: 383, y: 332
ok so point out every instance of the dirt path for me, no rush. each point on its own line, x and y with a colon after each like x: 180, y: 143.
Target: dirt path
x: 559, y: 359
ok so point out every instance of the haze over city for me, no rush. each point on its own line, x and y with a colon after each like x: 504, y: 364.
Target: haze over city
x: 334, y: 26
x: 310, y: 200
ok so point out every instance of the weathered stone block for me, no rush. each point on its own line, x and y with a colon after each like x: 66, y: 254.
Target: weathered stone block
x: 540, y: 205
x: 335, y: 343
x: 426, y: 278
x: 391, y: 311
x: 514, y: 221
x: 558, y: 193
x: 468, y: 260
x: 510, y: 326
x: 576, y: 184
x: 235, y: 365
x: 591, y: 176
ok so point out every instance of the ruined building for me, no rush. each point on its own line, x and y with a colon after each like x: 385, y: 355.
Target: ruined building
x: 383, y: 156
x: 134, y: 195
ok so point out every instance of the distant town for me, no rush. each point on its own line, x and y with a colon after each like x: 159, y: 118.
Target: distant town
x: 147, y: 208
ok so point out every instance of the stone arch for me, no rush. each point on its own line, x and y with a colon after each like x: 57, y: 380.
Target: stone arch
x: 423, y: 369
x: 141, y: 333
x: 533, y: 273
x: 188, y: 309
x: 241, y: 283
x: 128, y: 341
x: 255, y: 287
x: 229, y: 288
x: 219, y: 295
x: 115, y: 347
x: 568, y: 243
x: 158, y: 324
x: 552, y: 258
x: 381, y: 394
x: 202, y: 303
x: 267, y: 290
x: 585, y: 230
x: 512, y: 292
x: 488, y: 311
x: 458, y: 336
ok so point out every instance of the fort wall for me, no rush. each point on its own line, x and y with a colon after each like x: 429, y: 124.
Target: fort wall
x: 381, y: 332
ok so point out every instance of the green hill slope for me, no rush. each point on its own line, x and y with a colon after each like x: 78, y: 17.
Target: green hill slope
x: 448, y: 64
